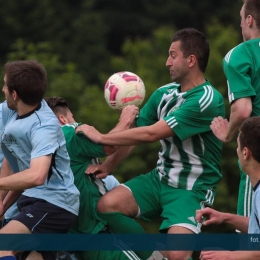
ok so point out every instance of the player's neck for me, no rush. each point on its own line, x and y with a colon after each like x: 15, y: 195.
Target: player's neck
x: 192, y: 83
x: 23, y: 109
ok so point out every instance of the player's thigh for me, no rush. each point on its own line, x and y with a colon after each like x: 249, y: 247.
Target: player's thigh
x: 179, y: 207
x: 13, y: 227
x: 146, y: 191
x: 119, y: 199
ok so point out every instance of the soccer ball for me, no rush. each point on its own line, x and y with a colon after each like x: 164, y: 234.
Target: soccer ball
x: 124, y: 88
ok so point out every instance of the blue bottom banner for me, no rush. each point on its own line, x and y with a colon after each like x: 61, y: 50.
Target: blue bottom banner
x: 84, y: 242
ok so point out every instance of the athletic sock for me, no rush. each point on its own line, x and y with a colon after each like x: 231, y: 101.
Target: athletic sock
x: 9, y: 257
x: 121, y: 224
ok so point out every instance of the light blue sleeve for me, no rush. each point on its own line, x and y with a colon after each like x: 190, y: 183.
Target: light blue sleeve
x: 110, y: 182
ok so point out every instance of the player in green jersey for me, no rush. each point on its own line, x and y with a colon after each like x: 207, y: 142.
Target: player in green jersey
x: 82, y: 151
x: 242, y: 66
x: 188, y: 169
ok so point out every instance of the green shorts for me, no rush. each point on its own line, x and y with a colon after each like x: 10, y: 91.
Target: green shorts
x: 176, y: 206
x: 245, y: 193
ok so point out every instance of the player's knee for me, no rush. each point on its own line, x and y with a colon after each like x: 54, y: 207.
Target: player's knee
x: 107, y: 204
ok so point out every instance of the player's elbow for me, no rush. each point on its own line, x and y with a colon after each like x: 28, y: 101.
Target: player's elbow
x: 39, y: 179
x: 109, y: 149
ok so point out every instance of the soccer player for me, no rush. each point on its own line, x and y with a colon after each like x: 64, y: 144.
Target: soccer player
x: 241, y: 66
x: 188, y: 168
x: 82, y: 152
x: 35, y: 150
x: 248, y: 151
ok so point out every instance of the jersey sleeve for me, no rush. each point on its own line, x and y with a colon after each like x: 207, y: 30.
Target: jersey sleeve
x: 237, y: 66
x: 148, y: 114
x: 194, y: 116
x: 46, y: 139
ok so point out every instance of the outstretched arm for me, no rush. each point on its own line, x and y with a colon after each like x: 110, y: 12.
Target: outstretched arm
x: 209, y: 216
x: 134, y: 136
x: 229, y: 255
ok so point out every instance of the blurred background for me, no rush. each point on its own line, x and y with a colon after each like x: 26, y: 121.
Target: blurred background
x: 82, y: 42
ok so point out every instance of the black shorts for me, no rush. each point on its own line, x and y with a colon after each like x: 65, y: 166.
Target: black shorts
x: 40, y: 216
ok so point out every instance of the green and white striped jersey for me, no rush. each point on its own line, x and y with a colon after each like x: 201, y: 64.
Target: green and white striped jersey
x: 242, y: 68
x: 191, y: 158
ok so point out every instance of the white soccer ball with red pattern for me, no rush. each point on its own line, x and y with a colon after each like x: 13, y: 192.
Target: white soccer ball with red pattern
x: 124, y: 88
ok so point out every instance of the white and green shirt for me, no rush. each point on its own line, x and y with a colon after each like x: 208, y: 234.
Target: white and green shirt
x: 242, y: 68
x: 191, y: 158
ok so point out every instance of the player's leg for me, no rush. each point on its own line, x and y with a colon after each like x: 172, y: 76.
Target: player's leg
x: 13, y: 227
x: 179, y: 209
x: 40, y: 217
x: 121, y: 205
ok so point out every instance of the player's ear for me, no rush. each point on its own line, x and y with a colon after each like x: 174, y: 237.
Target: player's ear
x: 62, y: 119
x: 191, y: 60
x: 250, y: 20
x: 246, y: 153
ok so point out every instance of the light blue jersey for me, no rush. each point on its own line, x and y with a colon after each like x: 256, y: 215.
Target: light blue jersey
x: 37, y: 134
x: 254, y: 224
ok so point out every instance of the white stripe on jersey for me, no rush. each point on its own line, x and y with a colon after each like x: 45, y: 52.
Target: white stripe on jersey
x: 227, y: 57
x: 172, y: 122
x: 196, y: 167
x: 206, y: 99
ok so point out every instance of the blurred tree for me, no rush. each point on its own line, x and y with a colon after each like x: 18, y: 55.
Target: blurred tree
x: 87, y: 32
x: 63, y: 78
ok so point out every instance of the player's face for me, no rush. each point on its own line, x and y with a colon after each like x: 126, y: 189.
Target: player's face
x: 177, y: 64
x: 244, y: 25
x: 9, y: 98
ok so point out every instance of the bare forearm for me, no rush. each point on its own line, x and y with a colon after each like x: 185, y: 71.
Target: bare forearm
x: 238, y: 222
x: 115, y: 159
x: 10, y: 198
x: 242, y: 255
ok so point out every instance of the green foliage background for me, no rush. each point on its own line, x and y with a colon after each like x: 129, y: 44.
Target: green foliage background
x: 82, y: 42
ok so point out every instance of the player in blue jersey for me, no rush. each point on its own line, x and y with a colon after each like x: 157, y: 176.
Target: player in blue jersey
x: 248, y: 151
x: 188, y: 167
x: 35, y: 150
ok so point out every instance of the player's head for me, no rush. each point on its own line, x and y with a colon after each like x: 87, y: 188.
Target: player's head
x: 193, y: 42
x: 24, y: 80
x: 249, y: 13
x: 249, y: 140
x: 61, y: 109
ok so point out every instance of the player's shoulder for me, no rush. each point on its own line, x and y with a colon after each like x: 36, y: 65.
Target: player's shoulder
x: 168, y: 88
x: 205, y: 96
x: 242, y: 50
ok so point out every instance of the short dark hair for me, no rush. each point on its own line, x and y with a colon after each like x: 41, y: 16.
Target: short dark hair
x: 252, y: 7
x: 58, y: 105
x: 28, y: 79
x: 193, y: 42
x: 249, y: 136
